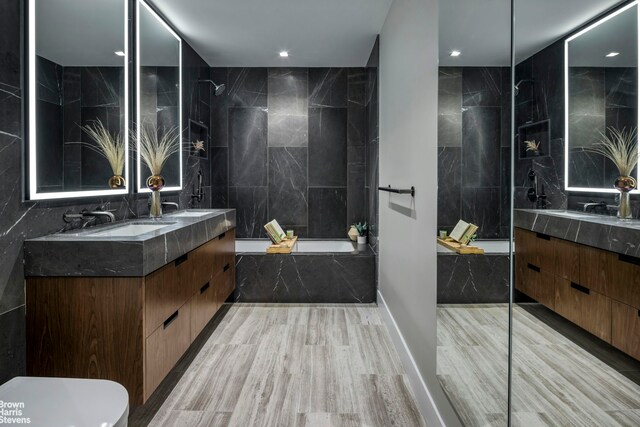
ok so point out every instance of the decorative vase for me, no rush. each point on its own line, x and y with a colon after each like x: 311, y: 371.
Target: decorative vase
x: 624, y: 184
x: 155, y: 183
x: 353, y: 233
x: 362, y: 240
x: 117, y: 182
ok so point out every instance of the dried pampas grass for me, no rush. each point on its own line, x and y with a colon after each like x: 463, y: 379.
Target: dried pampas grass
x: 111, y: 147
x: 156, y: 149
x: 619, y: 146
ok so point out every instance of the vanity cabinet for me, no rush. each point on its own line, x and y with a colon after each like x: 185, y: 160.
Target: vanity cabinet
x: 131, y: 330
x: 596, y: 289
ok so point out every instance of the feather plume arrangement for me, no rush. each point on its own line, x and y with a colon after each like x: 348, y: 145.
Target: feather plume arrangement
x: 111, y: 147
x: 532, y: 145
x: 619, y: 146
x: 156, y: 149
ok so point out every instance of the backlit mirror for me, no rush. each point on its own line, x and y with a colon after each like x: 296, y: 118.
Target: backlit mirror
x: 77, y: 98
x: 601, y: 96
x: 159, y: 97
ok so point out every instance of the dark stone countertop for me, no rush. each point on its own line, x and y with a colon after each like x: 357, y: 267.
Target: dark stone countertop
x: 85, y: 254
x: 600, y: 231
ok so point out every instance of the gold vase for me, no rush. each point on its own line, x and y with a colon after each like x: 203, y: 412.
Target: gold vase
x: 155, y: 183
x: 624, y: 184
x: 116, y: 182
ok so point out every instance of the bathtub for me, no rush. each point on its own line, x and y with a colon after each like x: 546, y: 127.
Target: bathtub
x: 474, y: 279
x: 317, y: 271
x: 302, y: 246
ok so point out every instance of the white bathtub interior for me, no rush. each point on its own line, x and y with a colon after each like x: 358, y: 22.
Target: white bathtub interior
x: 302, y: 246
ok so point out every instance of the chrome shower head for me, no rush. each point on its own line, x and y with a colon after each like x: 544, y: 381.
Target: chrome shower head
x: 218, y: 89
x: 516, y: 88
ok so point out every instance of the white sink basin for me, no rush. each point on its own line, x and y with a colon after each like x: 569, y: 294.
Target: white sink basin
x: 129, y: 230
x: 193, y: 214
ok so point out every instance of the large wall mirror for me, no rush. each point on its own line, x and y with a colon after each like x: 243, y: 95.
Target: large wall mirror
x: 159, y: 97
x: 77, y: 98
x: 601, y: 96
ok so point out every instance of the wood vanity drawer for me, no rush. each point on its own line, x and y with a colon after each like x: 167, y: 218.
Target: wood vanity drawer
x: 227, y: 281
x: 625, y: 328
x: 538, y: 285
x: 596, y: 268
x: 204, y: 305
x: 567, y: 258
x: 165, y: 346
x: 625, y: 280
x: 584, y: 307
x: 206, y: 260
x: 536, y: 249
x: 166, y: 290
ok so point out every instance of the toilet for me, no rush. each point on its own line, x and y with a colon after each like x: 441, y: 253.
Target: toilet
x: 57, y: 402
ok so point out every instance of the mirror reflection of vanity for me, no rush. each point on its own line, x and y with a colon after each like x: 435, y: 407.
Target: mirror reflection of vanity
x: 77, y: 96
x: 601, y: 76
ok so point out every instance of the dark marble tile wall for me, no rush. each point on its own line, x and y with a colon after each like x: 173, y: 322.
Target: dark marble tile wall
x: 292, y: 144
x: 372, y: 146
x: 473, y: 279
x: 21, y: 220
x: 324, y: 278
x: 68, y: 98
x: 599, y: 98
x: 473, y: 153
x: 544, y: 100
x: 539, y: 100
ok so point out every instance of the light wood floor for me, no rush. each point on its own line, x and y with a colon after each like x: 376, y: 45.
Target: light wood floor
x: 293, y: 365
x: 555, y: 381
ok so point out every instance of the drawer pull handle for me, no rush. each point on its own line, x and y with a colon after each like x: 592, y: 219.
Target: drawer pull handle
x: 543, y: 236
x: 222, y: 236
x: 226, y: 267
x: 580, y: 288
x: 170, y: 320
x: 181, y: 259
x: 638, y: 313
x: 628, y: 258
x: 204, y: 288
x: 533, y: 267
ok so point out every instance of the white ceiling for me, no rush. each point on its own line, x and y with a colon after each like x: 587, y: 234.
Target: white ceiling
x: 251, y: 33
x: 80, y: 32
x: 480, y: 29
x: 618, y: 34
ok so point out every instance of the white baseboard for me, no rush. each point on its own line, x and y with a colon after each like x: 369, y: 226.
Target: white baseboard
x: 426, y: 404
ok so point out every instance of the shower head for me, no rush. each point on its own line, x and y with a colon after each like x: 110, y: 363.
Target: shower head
x: 516, y: 88
x: 218, y: 89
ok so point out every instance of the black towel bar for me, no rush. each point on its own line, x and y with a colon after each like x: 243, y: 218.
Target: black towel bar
x: 411, y: 190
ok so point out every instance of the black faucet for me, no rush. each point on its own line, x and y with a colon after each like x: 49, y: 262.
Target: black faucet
x: 534, y: 195
x: 592, y: 206
x: 197, y: 195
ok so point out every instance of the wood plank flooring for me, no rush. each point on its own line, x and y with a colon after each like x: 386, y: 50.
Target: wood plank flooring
x: 556, y: 382
x: 290, y: 365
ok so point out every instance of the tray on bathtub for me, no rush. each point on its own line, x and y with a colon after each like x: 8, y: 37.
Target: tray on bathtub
x: 449, y: 243
x: 283, y: 248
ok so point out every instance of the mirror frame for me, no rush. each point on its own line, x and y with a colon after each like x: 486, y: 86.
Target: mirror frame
x: 566, y: 97
x: 141, y: 188
x: 31, y: 187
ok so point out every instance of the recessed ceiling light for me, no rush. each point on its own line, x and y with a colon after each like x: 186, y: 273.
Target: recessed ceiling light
x: 612, y: 54
x: 284, y: 54
x: 119, y: 53
x: 455, y: 53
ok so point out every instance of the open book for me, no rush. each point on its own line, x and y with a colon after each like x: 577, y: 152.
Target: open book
x: 275, y: 232
x: 463, y: 232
